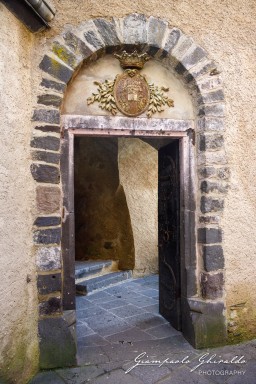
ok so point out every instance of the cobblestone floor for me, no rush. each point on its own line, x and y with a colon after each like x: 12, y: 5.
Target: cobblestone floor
x: 117, y: 324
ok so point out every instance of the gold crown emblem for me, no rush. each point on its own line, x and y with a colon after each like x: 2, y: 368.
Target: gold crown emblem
x: 132, y: 60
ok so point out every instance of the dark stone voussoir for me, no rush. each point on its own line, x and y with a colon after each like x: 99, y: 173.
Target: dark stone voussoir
x: 223, y: 173
x: 47, y: 284
x: 56, y: 343
x: 209, y: 219
x: 217, y: 110
x: 209, y: 204
x: 211, y: 124
x: 48, y: 128
x: 48, y: 236
x: 212, y: 142
x: 51, y: 116
x: 171, y: 41
x: 49, y: 99
x: 107, y: 31
x: 47, y: 157
x: 206, y: 172
x: 50, y: 307
x: 45, y: 173
x: 156, y: 33
x: 46, y: 142
x: 209, y: 186
x: 51, y: 84
x: 47, y: 221
x: 195, y: 72
x: 211, y: 97
x: 213, y: 257
x: 77, y: 45
x: 209, y: 235
x: 134, y: 29
x: 56, y: 69
x: 192, y: 58
x: 212, y: 285
x: 64, y: 54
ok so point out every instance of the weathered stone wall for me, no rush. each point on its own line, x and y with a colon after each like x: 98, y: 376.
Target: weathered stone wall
x: 18, y: 301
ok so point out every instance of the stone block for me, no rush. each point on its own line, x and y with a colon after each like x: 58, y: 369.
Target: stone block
x: 47, y: 284
x: 45, y: 173
x: 48, y: 99
x: 57, y: 344
x: 92, y: 36
x: 212, y: 186
x: 156, y: 33
x: 48, y: 199
x: 171, y: 41
x: 211, y: 97
x: 210, y: 142
x: 213, y: 257
x: 77, y: 45
x: 46, y: 142
x: 203, y: 68
x: 209, y: 323
x: 47, y: 157
x: 52, y: 306
x: 209, y: 204
x: 193, y: 56
x: 64, y: 54
x: 212, y: 285
x: 51, y: 84
x: 206, y: 172
x: 108, y: 33
x: 209, y: 219
x: 223, y: 173
x: 51, y: 116
x: 47, y: 221
x: 48, y: 128
x: 210, y: 124
x: 209, y: 158
x: 48, y: 258
x: 47, y: 236
x: 134, y: 29
x: 56, y: 69
x: 209, y: 83
x: 209, y: 235
x: 217, y: 110
x: 181, y: 48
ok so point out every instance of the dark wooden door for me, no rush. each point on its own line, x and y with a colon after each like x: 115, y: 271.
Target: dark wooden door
x: 168, y: 234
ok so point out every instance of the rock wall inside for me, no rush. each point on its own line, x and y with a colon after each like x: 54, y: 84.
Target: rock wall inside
x: 18, y: 302
x: 102, y: 219
x: 138, y: 167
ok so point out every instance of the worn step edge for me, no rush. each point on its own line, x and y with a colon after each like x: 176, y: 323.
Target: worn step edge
x: 102, y: 282
x: 93, y: 269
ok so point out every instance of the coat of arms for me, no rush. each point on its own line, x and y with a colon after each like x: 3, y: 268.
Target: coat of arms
x: 130, y: 91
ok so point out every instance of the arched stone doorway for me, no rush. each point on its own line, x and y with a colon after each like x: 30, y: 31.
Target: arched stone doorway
x: 202, y: 164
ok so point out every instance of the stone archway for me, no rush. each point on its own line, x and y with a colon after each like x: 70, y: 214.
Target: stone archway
x: 204, y: 260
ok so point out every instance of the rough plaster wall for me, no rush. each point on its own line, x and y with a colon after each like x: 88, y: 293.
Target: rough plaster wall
x: 226, y: 29
x: 138, y: 172
x: 18, y: 303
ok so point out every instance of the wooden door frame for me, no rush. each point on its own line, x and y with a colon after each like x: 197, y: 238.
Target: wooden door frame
x: 94, y: 126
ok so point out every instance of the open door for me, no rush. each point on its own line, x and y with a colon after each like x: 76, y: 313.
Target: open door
x: 169, y: 233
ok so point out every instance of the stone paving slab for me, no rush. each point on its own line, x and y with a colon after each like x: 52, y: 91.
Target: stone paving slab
x: 118, y: 324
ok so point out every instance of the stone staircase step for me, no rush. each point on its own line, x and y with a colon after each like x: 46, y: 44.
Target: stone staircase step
x: 101, y: 282
x: 87, y: 268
